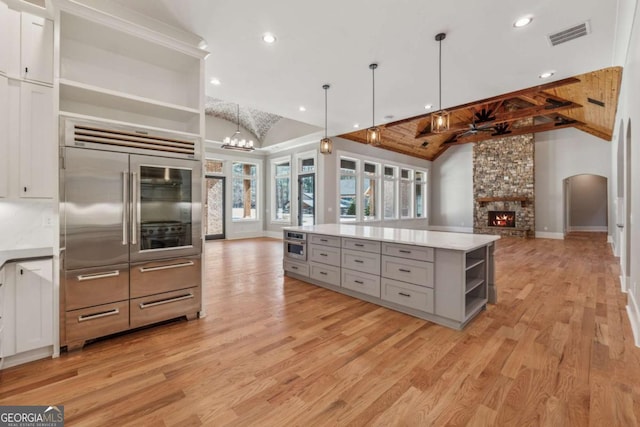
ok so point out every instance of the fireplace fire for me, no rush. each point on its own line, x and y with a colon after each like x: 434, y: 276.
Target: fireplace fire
x: 502, y: 219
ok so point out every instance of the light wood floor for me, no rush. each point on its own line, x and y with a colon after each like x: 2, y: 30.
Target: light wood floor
x: 557, y: 350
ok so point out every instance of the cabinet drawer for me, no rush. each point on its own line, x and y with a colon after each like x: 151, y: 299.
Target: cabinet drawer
x: 417, y: 297
x: 97, y: 321
x: 361, y: 245
x: 325, y: 273
x: 156, y: 308
x: 320, y: 239
x: 96, y: 286
x: 151, y: 278
x: 361, y: 261
x: 408, y: 270
x: 408, y: 251
x: 361, y: 282
x: 299, y: 268
x: 324, y: 254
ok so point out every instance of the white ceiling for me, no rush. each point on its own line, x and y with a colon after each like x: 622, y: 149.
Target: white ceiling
x: 334, y: 41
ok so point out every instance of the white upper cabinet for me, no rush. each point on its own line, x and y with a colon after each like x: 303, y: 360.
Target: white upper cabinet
x: 4, y: 37
x: 4, y: 136
x: 12, y: 43
x: 38, y: 153
x: 36, y: 50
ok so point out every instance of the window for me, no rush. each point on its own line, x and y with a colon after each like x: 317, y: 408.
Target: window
x: 282, y: 191
x: 406, y: 184
x: 307, y: 165
x: 244, y: 191
x: 390, y: 179
x: 370, y: 191
x: 213, y: 167
x: 421, y: 193
x: 348, y: 185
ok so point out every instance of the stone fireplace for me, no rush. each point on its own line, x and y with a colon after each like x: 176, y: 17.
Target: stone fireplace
x: 503, y: 186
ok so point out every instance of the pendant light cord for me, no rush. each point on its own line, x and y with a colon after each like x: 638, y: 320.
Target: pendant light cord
x: 325, y: 111
x: 373, y: 103
x: 440, y: 75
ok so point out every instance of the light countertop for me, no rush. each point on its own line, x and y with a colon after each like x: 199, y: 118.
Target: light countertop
x: 14, y: 255
x: 433, y: 239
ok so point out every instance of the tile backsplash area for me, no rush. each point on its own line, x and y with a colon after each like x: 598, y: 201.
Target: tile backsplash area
x: 27, y: 224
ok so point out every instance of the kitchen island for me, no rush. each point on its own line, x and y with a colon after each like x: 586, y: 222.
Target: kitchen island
x: 446, y: 278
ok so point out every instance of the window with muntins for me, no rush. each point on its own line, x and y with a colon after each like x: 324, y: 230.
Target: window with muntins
x: 390, y: 197
x: 244, y: 191
x: 348, y: 186
x: 282, y: 192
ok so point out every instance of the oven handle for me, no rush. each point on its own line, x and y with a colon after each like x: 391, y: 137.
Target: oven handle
x: 83, y: 277
x: 144, y: 305
x: 134, y: 208
x: 166, y: 267
x: 84, y: 318
x: 125, y: 201
x: 296, y: 242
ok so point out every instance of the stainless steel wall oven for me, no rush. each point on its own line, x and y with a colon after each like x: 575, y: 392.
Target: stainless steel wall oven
x: 295, y: 245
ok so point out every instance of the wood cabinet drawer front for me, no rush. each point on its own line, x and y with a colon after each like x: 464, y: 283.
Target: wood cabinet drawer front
x: 162, y: 276
x: 325, y: 273
x: 299, y: 268
x: 324, y: 254
x: 417, y: 297
x: 408, y: 270
x: 320, y: 239
x: 361, y: 282
x: 97, y: 321
x: 361, y: 245
x: 408, y: 251
x: 361, y: 261
x: 169, y: 305
x: 96, y: 286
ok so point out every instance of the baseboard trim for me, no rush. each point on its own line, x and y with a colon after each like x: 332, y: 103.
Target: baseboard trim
x: 623, y: 284
x: 273, y: 234
x: 26, y: 357
x: 451, y: 229
x: 251, y: 235
x: 589, y: 229
x: 548, y: 235
x: 634, y: 318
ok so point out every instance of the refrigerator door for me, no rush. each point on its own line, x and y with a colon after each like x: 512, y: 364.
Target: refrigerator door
x: 94, y: 210
x: 165, y: 208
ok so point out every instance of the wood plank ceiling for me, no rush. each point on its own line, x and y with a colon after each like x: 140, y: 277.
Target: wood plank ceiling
x: 587, y: 102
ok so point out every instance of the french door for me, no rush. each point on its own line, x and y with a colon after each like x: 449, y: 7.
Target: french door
x: 307, y: 199
x: 214, y: 208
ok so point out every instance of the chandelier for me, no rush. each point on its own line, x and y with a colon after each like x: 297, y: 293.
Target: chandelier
x: 235, y: 142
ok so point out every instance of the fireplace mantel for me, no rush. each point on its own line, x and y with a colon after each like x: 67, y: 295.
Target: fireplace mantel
x: 484, y: 200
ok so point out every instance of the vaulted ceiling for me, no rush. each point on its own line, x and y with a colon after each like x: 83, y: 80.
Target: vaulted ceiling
x: 587, y: 102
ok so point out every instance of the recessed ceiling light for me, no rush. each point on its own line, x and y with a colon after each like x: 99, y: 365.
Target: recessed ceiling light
x: 428, y: 107
x: 302, y: 108
x: 214, y: 81
x: 546, y: 74
x: 523, y: 22
x: 356, y: 125
x: 268, y: 38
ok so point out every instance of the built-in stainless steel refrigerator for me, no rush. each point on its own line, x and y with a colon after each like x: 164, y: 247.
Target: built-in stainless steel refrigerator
x: 131, y: 243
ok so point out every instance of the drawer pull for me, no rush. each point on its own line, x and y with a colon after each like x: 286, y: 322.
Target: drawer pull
x: 84, y: 318
x: 324, y: 255
x: 324, y: 273
x: 360, y: 245
x: 293, y: 267
x: 358, y: 261
x: 404, y: 270
x: 94, y: 276
x: 144, y: 305
x: 166, y: 267
x: 324, y: 240
x: 404, y: 295
x: 360, y: 282
x: 404, y: 251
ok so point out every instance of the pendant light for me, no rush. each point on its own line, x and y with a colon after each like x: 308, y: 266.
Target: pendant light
x: 234, y: 142
x: 374, y: 133
x: 440, y: 119
x: 326, y: 145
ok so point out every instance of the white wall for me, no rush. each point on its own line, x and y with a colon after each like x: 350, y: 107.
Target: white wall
x: 587, y: 203
x: 561, y: 154
x: 452, y: 190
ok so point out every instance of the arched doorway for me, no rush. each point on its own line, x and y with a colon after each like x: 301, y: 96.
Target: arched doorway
x: 586, y: 204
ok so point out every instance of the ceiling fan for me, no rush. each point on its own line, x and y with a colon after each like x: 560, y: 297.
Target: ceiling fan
x: 482, y: 116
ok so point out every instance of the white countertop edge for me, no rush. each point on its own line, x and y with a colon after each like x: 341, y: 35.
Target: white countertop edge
x: 12, y: 255
x: 406, y: 236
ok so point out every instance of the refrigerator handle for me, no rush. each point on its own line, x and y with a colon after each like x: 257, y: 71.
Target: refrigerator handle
x: 134, y: 208
x: 125, y: 200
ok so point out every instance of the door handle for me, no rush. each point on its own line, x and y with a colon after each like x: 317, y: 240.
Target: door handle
x: 134, y: 208
x: 94, y: 276
x: 125, y: 204
x: 144, y: 305
x: 166, y: 267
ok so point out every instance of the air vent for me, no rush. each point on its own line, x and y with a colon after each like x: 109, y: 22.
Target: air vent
x: 87, y: 134
x: 569, y: 34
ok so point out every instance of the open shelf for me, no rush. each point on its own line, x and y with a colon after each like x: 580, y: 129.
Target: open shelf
x: 473, y: 305
x: 473, y: 284
x: 472, y: 262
